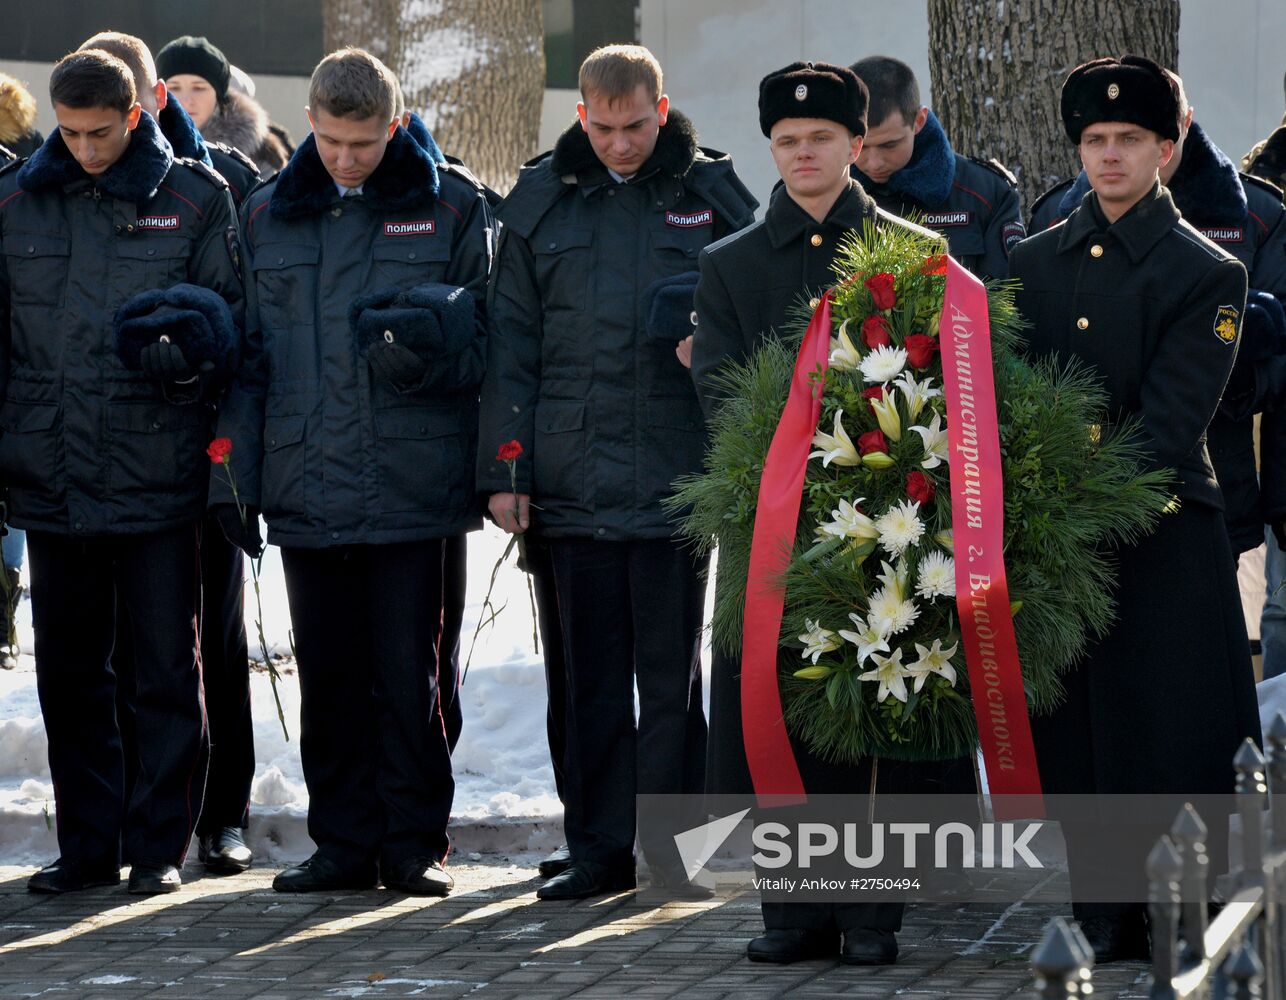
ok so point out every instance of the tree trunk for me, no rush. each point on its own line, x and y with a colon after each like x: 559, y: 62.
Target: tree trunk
x: 997, y: 66
x: 366, y: 24
x: 475, y: 72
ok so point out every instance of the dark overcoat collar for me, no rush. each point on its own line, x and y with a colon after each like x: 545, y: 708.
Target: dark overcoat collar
x: 135, y: 177
x: 1138, y: 230
x: 786, y: 221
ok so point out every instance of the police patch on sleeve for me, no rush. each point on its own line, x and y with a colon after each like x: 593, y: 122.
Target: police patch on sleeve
x: 1012, y: 233
x: 1226, y: 323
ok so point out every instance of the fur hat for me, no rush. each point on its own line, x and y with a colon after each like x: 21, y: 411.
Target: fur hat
x: 195, y: 55
x: 1131, y: 89
x: 667, y: 303
x: 813, y: 90
x: 196, y: 319
x: 432, y: 319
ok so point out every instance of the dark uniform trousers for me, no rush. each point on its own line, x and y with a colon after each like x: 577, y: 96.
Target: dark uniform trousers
x: 76, y: 585
x: 631, y: 614
x: 540, y: 564
x: 455, y: 580
x: 225, y: 677
x: 373, y: 740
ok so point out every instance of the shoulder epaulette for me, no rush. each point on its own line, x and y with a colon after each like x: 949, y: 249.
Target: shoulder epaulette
x: 733, y: 237
x: 12, y: 165
x: 1193, y: 235
x: 456, y: 167
x: 1058, y: 189
x: 1260, y: 182
x: 888, y: 218
x: 714, y: 178
x: 996, y: 167
x: 236, y: 154
x: 205, y: 170
x: 7, y: 154
x: 536, y: 192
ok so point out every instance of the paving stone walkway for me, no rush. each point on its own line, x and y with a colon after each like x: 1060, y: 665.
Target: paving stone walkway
x: 233, y: 938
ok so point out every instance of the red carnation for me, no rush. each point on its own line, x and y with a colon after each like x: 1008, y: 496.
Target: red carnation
x: 875, y: 332
x: 873, y: 393
x: 920, y: 350
x: 509, y: 451
x: 881, y: 286
x: 920, y: 488
x: 937, y: 264
x: 872, y: 441
x: 219, y: 450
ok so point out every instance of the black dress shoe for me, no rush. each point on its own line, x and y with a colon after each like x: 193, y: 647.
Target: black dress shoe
x: 150, y: 878
x: 65, y: 875
x: 868, y: 946
x: 419, y: 877
x: 586, y: 878
x: 319, y: 874
x: 556, y: 863
x: 1117, y: 938
x: 673, y: 882
x: 224, y: 852
x: 785, y: 946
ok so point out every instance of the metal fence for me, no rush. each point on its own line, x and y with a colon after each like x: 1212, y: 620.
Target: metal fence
x: 1241, y: 952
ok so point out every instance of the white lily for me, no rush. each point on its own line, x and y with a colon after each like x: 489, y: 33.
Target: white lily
x: 900, y: 527
x: 844, y: 353
x: 883, y: 364
x: 848, y: 522
x: 837, y: 447
x: 817, y: 640
x: 915, y: 393
x: 933, y: 661
x: 869, y: 638
x: 891, y: 675
x: 886, y: 414
x: 936, y: 448
x: 937, y: 576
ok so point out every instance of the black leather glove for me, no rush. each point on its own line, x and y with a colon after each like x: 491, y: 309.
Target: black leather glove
x: 164, y: 362
x: 399, y: 366
x: 245, y: 537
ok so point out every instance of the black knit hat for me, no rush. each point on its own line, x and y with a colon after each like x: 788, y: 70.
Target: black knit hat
x: 813, y: 90
x: 1132, y: 89
x: 189, y: 54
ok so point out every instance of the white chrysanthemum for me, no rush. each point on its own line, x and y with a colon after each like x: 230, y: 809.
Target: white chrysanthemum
x: 869, y: 638
x: 844, y: 353
x: 937, y: 576
x: 883, y: 364
x: 900, y: 527
x: 837, y: 447
x: 915, y: 393
x: 817, y: 640
x: 891, y: 675
x: 890, y: 612
x: 933, y: 661
x: 848, y: 522
x: 936, y: 448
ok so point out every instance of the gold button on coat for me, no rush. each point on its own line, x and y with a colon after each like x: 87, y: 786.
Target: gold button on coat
x: 1096, y: 251
x: 1082, y: 324
x: 816, y: 240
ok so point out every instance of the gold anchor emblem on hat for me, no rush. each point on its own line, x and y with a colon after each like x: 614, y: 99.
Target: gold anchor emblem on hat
x: 801, y: 92
x: 1113, y: 91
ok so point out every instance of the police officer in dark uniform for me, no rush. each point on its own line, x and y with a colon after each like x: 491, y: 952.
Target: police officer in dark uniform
x: 225, y: 662
x: 815, y: 116
x: 908, y: 166
x: 104, y: 463
x: 1128, y: 288
x: 608, y: 419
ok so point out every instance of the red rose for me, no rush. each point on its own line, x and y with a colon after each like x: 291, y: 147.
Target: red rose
x: 881, y: 286
x: 920, y: 350
x: 219, y: 450
x: 873, y: 393
x: 875, y: 332
x: 872, y: 441
x: 937, y: 264
x: 509, y: 451
x: 920, y: 488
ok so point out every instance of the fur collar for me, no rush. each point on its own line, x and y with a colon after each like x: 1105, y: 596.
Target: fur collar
x: 179, y: 128
x: 238, y: 121
x: 418, y: 131
x: 676, y: 150
x: 17, y: 112
x: 928, y: 175
x: 405, y: 178
x: 135, y: 177
x: 1205, y: 188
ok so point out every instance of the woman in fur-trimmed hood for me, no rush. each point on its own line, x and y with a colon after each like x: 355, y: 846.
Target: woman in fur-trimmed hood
x: 18, y: 118
x: 200, y: 76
